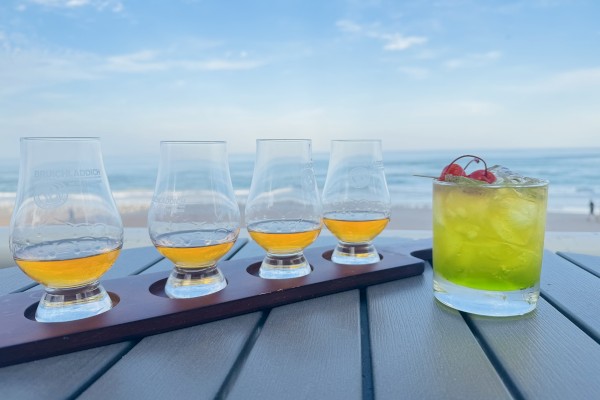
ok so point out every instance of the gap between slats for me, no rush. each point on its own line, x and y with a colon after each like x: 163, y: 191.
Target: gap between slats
x: 579, y: 324
x: 365, y: 348
x: 104, y: 369
x: 580, y: 265
x: 504, y: 376
x: 231, y: 377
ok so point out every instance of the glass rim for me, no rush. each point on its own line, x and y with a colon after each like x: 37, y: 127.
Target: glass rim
x: 536, y: 184
x: 61, y: 138
x: 357, y: 140
x: 193, y: 142
x: 283, y: 140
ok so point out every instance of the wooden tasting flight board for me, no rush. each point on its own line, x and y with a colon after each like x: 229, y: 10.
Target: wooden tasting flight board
x: 141, y: 308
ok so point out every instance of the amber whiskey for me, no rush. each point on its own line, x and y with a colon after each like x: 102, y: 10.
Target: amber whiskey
x: 355, y: 230
x: 70, y: 273
x: 195, y: 257
x: 275, y: 242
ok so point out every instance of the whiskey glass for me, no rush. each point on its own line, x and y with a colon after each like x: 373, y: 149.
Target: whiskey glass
x: 283, y: 210
x: 356, y: 200
x: 65, y: 231
x: 194, y: 218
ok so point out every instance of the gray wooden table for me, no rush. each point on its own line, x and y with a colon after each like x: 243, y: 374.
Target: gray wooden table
x: 388, y: 341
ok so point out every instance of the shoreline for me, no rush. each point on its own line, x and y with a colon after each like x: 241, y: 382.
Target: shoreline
x: 401, y: 218
x: 411, y: 218
x: 564, y: 231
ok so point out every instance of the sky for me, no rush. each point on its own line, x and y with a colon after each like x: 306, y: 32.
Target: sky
x: 418, y: 74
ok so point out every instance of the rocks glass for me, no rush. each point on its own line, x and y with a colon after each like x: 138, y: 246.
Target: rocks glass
x: 65, y: 231
x: 283, y: 210
x: 194, y: 218
x: 488, y: 245
x: 356, y: 201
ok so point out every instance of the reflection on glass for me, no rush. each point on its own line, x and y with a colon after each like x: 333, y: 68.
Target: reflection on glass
x: 194, y: 218
x: 65, y: 231
x: 283, y: 210
x: 356, y: 201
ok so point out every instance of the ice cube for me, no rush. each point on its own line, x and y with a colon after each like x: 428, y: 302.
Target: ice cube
x: 515, y: 217
x: 507, y: 177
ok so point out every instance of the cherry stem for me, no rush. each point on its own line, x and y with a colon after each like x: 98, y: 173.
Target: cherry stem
x: 474, y: 158
x: 425, y: 176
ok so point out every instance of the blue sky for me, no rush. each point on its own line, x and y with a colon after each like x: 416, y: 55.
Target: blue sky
x: 418, y: 74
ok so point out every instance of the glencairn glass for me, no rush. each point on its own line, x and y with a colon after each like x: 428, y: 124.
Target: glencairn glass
x: 194, y: 218
x: 356, y: 200
x: 283, y: 210
x: 65, y: 231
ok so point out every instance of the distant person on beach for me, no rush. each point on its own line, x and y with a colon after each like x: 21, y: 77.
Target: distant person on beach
x: 591, y: 216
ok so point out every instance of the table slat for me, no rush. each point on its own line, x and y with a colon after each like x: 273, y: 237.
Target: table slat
x: 12, y: 280
x: 585, y: 261
x: 575, y: 291
x: 69, y: 374
x: 61, y: 376
x: 309, y: 349
x: 421, y: 349
x: 284, y: 326
x: 188, y: 363
x: 545, y: 355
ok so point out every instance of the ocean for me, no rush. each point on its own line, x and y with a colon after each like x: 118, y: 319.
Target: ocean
x: 574, y: 175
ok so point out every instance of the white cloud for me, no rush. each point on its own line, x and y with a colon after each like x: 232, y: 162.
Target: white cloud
x: 60, y: 3
x: 476, y: 108
x: 398, y: 42
x: 574, y: 80
x: 392, y: 41
x: 148, y: 61
x: 220, y: 65
x: 100, y: 5
x: 348, y: 26
x: 415, y: 72
x: 25, y: 68
x: 456, y: 109
x: 473, y: 60
x: 581, y: 78
x: 141, y: 61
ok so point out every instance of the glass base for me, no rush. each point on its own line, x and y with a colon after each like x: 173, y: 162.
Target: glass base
x: 355, y: 254
x: 485, y: 302
x: 61, y: 305
x: 188, y: 283
x: 284, y: 266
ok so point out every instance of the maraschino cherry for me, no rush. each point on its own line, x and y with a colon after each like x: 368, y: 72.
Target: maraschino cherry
x: 454, y: 169
x: 483, y: 175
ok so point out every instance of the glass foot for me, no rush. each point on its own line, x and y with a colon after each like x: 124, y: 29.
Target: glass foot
x: 284, y: 267
x: 355, y: 254
x: 485, y: 302
x: 188, y: 283
x: 61, y: 305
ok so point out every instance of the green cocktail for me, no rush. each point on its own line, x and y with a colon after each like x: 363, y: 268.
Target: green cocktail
x: 488, y: 241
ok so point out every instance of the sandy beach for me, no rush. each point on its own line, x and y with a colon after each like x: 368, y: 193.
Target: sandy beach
x: 405, y: 218
x: 565, y: 232
x: 402, y: 218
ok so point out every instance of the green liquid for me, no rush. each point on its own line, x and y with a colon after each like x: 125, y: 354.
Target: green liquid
x: 489, y: 238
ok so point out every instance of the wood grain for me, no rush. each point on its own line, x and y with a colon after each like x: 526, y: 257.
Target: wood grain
x: 573, y: 290
x: 544, y: 354
x: 585, y: 261
x: 67, y: 375
x: 306, y: 350
x: 424, y: 350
